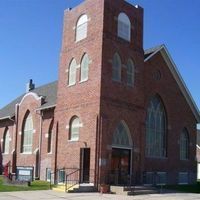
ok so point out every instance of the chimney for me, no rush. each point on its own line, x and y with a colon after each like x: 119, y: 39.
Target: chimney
x: 30, y: 86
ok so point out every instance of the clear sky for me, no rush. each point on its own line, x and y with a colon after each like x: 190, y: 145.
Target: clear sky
x: 31, y: 30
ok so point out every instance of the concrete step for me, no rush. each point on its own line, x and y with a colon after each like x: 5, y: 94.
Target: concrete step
x: 134, y: 190
x: 83, y: 188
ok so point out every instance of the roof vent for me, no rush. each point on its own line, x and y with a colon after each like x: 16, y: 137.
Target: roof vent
x: 30, y: 86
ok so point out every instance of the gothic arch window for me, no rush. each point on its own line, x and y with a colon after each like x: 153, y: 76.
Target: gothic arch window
x: 6, y: 142
x: 84, y: 68
x: 27, y: 134
x: 121, y: 136
x: 116, y: 67
x: 49, y: 142
x: 130, y: 72
x: 184, y: 145
x: 74, y: 129
x: 124, y: 27
x: 81, y: 28
x: 156, y: 129
x: 72, y: 72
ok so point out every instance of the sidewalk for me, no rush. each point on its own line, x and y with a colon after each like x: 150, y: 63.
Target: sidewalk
x: 52, y: 195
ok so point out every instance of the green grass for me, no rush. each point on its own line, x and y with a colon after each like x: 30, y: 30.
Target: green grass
x: 35, y: 185
x: 185, y: 188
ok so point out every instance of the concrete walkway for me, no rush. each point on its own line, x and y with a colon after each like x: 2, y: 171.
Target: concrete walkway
x: 52, y: 195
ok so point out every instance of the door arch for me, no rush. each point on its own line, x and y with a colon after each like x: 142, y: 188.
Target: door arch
x: 121, y: 162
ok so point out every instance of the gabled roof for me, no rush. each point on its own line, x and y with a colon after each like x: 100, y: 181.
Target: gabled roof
x: 172, y: 67
x: 48, y: 92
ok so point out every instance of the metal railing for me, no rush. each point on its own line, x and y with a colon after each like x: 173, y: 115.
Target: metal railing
x: 72, y: 179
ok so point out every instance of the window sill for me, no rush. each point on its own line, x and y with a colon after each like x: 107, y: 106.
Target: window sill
x: 116, y: 81
x: 27, y: 153
x: 75, y: 140
x: 4, y: 154
x: 184, y: 160
x: 154, y: 157
x: 49, y: 153
x: 70, y: 85
x: 83, y: 81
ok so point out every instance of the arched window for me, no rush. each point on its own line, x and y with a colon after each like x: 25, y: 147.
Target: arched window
x: 156, y: 129
x: 74, y: 129
x: 72, y: 72
x: 121, y: 136
x: 6, y: 142
x: 130, y: 72
x: 184, y: 145
x: 81, y: 28
x: 84, y: 68
x: 27, y: 134
x: 49, y: 143
x: 124, y: 27
x: 116, y: 67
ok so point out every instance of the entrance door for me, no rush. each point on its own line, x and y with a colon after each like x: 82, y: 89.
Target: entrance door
x: 120, y: 166
x: 85, y: 165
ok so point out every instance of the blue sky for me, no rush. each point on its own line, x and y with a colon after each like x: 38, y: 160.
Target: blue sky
x: 31, y: 30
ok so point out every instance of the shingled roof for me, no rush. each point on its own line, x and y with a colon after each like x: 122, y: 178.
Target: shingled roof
x: 48, y: 92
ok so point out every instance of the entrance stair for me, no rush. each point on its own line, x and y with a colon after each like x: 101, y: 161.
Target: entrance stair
x: 134, y: 190
x: 78, y: 188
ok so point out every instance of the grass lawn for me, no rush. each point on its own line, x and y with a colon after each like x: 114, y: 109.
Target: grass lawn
x: 185, y: 188
x: 35, y: 185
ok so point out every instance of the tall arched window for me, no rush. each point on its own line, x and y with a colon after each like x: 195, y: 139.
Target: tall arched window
x: 6, y: 142
x: 116, y: 67
x: 124, y: 27
x: 184, y: 145
x: 74, y: 129
x: 121, y: 136
x: 27, y: 134
x: 49, y: 143
x: 156, y: 129
x: 81, y: 28
x: 130, y: 72
x: 84, y: 68
x: 72, y: 72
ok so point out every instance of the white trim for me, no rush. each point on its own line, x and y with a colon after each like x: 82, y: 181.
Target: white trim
x: 7, y: 117
x: 198, y: 146
x: 177, y: 76
x: 30, y: 94
x: 47, y: 107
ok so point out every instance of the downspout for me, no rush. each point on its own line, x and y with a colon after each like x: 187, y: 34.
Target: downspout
x: 16, y: 137
x: 40, y: 143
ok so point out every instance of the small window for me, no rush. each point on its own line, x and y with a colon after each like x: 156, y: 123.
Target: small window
x: 149, y: 178
x: 74, y: 129
x: 27, y: 135
x: 72, y: 72
x: 130, y: 72
x: 116, y: 67
x: 81, y: 28
x: 161, y: 178
x: 6, y: 142
x: 84, y: 68
x: 183, y: 178
x: 124, y: 27
x: 48, y: 174
x: 61, y: 175
x: 184, y: 145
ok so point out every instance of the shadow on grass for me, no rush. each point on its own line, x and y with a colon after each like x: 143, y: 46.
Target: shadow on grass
x: 35, y: 185
x: 185, y: 188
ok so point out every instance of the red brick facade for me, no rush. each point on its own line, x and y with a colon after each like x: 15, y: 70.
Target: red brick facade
x: 101, y: 103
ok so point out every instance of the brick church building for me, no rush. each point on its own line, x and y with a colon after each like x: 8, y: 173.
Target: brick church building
x: 117, y: 112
